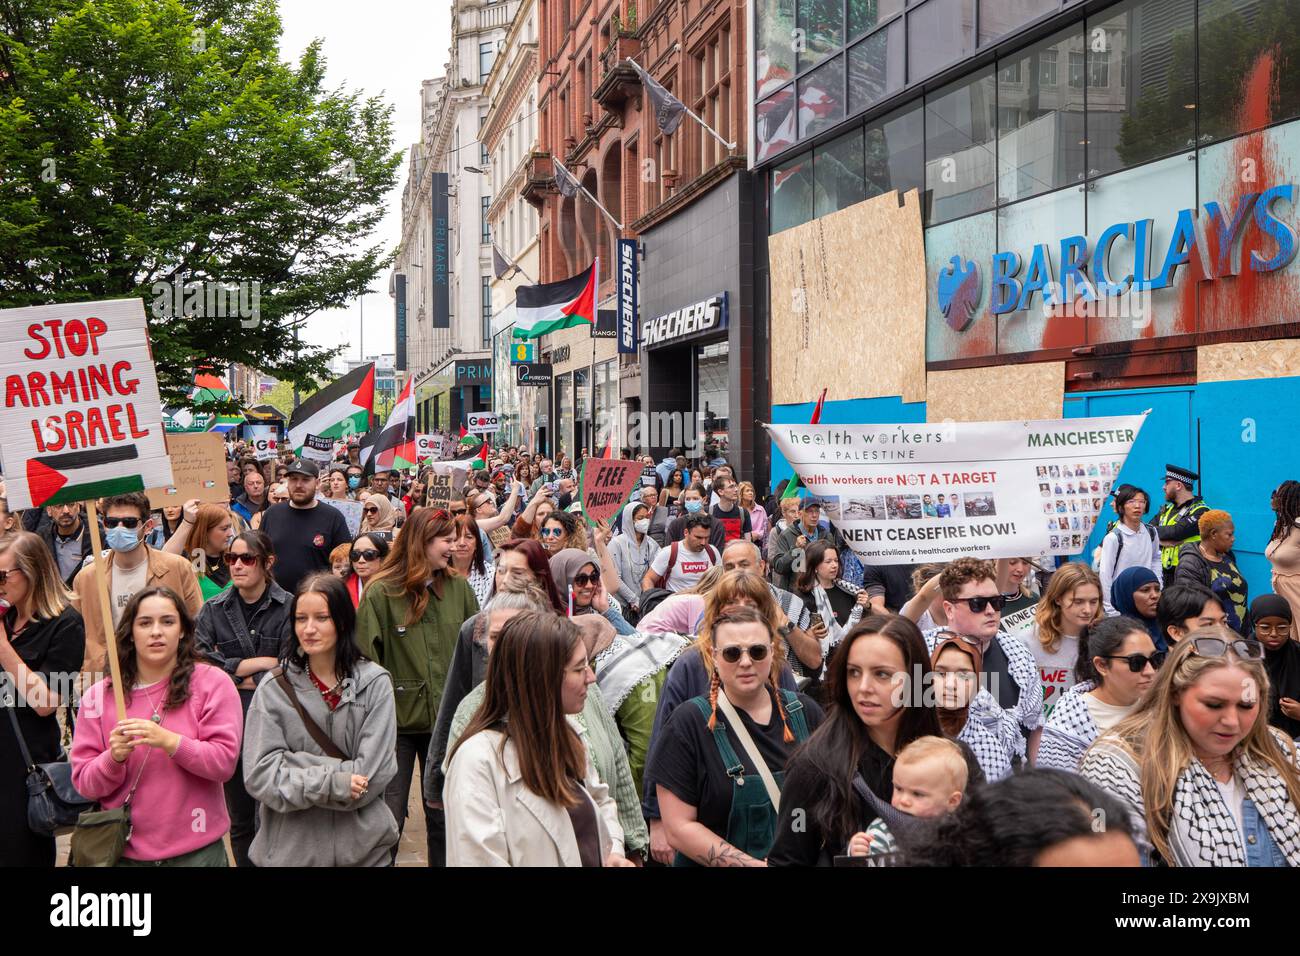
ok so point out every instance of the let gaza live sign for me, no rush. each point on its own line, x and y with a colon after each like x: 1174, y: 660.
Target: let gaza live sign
x: 81, y: 408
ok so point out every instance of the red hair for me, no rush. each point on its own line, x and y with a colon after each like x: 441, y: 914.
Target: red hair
x: 540, y: 565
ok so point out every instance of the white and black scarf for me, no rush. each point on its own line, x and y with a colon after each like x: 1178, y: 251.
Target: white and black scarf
x: 834, y: 630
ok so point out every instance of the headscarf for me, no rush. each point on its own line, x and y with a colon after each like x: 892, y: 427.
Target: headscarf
x: 565, y: 566
x: 626, y: 521
x: 1123, y: 588
x: 954, y: 721
x: 385, y: 520
x: 1283, y: 664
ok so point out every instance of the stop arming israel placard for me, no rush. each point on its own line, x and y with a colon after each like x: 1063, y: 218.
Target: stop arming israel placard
x: 81, y: 410
x: 911, y: 494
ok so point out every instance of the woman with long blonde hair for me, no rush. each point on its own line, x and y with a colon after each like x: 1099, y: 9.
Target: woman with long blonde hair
x: 408, y: 620
x: 1207, y: 779
x: 1071, y: 604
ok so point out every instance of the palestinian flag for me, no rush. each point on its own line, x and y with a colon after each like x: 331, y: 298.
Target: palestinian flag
x: 793, y: 488
x: 338, y: 410
x: 460, y: 466
x: 210, y: 388
x: 817, y: 411
x: 394, y: 450
x: 552, y: 306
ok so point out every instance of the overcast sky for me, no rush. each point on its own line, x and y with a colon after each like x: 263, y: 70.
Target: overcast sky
x: 383, y: 48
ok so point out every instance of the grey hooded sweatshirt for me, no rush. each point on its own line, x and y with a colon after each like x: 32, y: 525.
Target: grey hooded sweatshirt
x: 307, y: 814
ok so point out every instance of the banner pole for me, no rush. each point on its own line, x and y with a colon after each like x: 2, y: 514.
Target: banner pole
x: 101, y: 583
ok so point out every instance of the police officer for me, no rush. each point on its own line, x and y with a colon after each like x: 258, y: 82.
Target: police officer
x: 1177, y: 521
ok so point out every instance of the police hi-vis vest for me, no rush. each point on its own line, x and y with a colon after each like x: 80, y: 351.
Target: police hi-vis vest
x: 1170, y: 515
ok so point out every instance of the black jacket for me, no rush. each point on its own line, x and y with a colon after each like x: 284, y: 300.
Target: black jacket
x: 223, y: 637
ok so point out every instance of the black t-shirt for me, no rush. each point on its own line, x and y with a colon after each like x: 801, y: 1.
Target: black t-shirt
x: 303, y: 539
x: 728, y: 525
x: 896, y: 579
x: 686, y: 761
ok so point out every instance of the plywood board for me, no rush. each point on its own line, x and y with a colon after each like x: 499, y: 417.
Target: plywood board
x: 848, y: 304
x: 1028, y: 392
x: 1238, y: 361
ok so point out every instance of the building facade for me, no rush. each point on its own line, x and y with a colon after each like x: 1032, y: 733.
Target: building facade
x: 684, y: 196
x: 441, y: 282
x: 1106, y: 217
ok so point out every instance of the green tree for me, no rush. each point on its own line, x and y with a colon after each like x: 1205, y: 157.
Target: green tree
x: 145, y: 142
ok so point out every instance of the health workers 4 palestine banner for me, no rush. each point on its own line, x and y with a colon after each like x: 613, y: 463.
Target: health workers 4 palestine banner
x: 911, y: 494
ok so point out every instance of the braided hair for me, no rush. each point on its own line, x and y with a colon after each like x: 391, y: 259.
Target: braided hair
x: 748, y: 615
x: 1286, y: 504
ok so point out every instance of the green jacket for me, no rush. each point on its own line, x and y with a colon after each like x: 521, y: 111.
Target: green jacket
x: 417, y: 656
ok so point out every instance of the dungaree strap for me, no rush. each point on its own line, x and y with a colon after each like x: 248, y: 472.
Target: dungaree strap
x: 729, y: 759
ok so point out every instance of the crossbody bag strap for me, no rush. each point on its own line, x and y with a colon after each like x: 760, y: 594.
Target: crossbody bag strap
x: 322, y: 739
x: 22, y: 741
x: 751, y: 751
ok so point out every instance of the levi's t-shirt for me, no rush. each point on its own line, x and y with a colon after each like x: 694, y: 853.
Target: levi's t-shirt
x: 690, y: 566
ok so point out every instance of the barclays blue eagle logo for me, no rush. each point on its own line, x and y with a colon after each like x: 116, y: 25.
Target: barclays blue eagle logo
x: 959, y: 293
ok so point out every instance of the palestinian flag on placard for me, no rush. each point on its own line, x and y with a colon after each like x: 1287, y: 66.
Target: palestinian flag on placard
x: 338, y: 410
x: 552, y: 306
x: 394, y: 449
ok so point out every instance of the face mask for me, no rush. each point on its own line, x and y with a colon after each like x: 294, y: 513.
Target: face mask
x: 642, y: 526
x: 354, y: 482
x: 694, y: 506
x: 122, y: 539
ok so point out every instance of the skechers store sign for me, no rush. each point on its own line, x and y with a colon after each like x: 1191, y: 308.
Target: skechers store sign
x: 1213, y: 241
x: 702, y: 318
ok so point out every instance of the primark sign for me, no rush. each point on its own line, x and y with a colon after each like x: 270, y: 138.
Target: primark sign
x: 702, y: 318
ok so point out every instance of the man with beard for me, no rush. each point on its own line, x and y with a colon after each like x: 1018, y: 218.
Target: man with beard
x: 1178, y: 521
x: 303, y: 530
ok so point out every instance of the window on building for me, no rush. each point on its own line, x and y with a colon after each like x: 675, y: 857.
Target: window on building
x: 876, y: 66
x: 837, y: 172
x: 822, y: 23
x: 821, y: 98
x: 774, y: 53
x: 1047, y: 68
x: 482, y: 147
x: 1154, y: 113
x: 1248, y: 75
x: 484, y: 202
x: 998, y: 18
x: 960, y: 148
x: 895, y: 148
x: 486, y: 293
x: 866, y: 15
x: 1077, y: 67
x: 774, y: 124
x: 790, y: 200
x: 939, y: 32
x: 713, y: 105
x: 1099, y: 68
x: 713, y: 385
x: 487, y: 52
x: 1040, y: 126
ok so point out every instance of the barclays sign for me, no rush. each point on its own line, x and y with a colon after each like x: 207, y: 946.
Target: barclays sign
x: 1124, y: 259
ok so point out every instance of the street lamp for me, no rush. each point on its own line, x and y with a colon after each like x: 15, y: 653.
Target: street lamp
x: 475, y: 169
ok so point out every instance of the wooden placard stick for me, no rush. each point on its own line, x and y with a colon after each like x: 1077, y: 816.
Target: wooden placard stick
x: 101, y: 583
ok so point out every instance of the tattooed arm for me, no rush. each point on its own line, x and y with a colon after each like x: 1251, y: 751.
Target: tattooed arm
x: 693, y: 839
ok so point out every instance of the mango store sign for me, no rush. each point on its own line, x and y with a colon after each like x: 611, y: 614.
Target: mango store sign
x: 1124, y: 258
x: 81, y: 408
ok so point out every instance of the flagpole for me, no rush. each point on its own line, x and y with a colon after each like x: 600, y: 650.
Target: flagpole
x: 686, y: 109
x: 583, y: 189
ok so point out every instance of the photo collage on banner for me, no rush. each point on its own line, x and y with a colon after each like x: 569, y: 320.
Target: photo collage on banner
x: 1074, y: 498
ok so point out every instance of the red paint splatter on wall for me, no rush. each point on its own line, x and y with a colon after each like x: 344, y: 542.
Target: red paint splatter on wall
x: 1241, y: 300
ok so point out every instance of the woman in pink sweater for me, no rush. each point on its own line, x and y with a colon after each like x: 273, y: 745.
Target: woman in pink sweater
x: 176, y: 748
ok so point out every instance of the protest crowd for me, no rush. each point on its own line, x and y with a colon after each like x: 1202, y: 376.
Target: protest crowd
x: 709, y: 677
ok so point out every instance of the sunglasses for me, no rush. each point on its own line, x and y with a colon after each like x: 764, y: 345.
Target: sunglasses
x: 129, y: 523
x: 552, y: 532
x: 582, y: 580
x: 756, y: 652
x: 4, y: 575
x: 978, y: 604
x: 1137, y: 662
x: 1218, y: 647
x: 369, y: 554
x: 248, y: 560
x: 1272, y: 629
x: 370, y: 511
